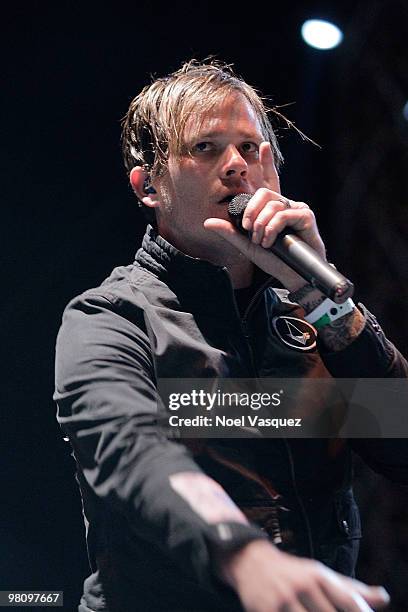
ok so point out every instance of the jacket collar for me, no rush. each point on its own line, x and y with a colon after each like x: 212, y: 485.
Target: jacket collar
x: 197, y: 282
x: 163, y: 259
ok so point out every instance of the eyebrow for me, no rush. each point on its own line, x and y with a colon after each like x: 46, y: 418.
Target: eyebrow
x: 217, y: 133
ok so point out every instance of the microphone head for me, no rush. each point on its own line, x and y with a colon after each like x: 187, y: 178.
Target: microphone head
x: 237, y: 207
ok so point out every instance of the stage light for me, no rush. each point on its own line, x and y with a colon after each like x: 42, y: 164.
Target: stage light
x: 321, y: 34
x: 405, y: 111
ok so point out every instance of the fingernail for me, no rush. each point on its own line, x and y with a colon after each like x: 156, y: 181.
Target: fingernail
x: 246, y: 224
x: 383, y: 593
x: 255, y: 237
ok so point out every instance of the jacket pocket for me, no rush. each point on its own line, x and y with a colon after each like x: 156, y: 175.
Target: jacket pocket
x: 347, y: 515
x: 340, y: 547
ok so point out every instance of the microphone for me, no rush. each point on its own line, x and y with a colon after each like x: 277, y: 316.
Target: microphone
x: 299, y: 256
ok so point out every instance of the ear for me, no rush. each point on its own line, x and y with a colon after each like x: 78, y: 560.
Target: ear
x: 138, y: 177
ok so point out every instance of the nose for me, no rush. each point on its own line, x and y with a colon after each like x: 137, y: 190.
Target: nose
x: 234, y: 164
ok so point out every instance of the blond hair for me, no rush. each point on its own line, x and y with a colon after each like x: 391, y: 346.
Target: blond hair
x: 153, y: 127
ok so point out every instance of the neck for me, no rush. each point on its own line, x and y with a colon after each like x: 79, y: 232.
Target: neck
x: 240, y: 269
x: 241, y: 272
x: 219, y: 253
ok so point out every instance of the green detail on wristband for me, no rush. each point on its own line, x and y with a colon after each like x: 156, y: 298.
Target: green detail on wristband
x: 324, y: 320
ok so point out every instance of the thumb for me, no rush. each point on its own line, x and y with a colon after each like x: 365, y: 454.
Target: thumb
x: 263, y: 258
x: 221, y: 226
x: 226, y: 230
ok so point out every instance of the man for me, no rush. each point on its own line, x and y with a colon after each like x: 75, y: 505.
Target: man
x: 219, y: 524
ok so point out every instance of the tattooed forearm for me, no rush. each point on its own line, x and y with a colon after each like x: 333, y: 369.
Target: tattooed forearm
x: 342, y: 332
x: 308, y: 297
x: 338, y: 334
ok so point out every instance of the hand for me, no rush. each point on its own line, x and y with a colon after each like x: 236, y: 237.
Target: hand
x: 266, y: 216
x: 268, y: 580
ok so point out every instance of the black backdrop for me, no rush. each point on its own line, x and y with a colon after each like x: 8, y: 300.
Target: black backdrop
x: 69, y: 72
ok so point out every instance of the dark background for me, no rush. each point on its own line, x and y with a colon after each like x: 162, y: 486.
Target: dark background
x: 69, y: 73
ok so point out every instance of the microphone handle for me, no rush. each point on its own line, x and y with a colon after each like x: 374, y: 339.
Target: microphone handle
x: 305, y: 261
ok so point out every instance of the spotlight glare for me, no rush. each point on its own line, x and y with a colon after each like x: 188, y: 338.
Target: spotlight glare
x: 405, y: 111
x: 321, y: 34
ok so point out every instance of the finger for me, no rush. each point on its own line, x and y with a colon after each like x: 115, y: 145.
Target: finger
x: 301, y: 220
x: 267, y: 162
x: 341, y: 594
x: 347, y: 602
x: 316, y: 602
x: 256, y: 204
x: 264, y: 217
x: 376, y: 596
x: 226, y: 230
x: 263, y: 258
x: 252, y: 251
x: 292, y: 607
x: 294, y: 204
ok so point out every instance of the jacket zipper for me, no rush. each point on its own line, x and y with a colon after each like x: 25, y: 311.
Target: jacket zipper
x: 244, y: 323
x: 245, y: 330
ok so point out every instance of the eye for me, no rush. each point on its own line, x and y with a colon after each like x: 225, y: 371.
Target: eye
x: 203, y: 147
x: 249, y: 147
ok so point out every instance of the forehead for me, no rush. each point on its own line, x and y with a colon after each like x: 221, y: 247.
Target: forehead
x: 234, y: 114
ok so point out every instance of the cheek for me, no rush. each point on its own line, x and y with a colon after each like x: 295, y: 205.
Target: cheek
x: 192, y: 180
x: 189, y: 182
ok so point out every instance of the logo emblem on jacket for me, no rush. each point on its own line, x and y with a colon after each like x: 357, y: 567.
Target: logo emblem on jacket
x: 294, y: 332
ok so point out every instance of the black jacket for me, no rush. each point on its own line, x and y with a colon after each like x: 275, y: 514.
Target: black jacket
x: 169, y: 316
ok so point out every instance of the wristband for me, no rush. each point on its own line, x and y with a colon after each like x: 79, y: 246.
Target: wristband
x: 328, y: 311
x: 229, y: 537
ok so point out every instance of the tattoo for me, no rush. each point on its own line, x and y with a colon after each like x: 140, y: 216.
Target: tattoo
x: 339, y: 334
x: 308, y: 297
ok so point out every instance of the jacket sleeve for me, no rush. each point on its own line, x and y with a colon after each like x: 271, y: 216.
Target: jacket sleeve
x: 108, y: 407
x: 372, y: 355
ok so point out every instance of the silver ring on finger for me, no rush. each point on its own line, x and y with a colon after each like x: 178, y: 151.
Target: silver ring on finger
x: 286, y: 202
